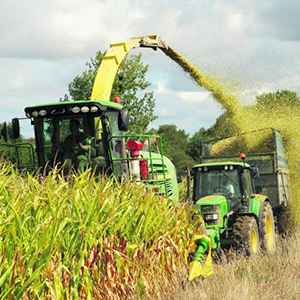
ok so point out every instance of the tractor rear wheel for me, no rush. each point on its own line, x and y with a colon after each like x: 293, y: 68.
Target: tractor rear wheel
x: 267, y: 228
x: 246, y: 235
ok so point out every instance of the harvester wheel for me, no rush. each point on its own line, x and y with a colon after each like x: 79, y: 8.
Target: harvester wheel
x: 246, y: 235
x: 267, y: 228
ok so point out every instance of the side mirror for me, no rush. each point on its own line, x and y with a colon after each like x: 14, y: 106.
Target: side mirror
x: 123, y: 120
x: 255, y: 172
x: 4, y: 132
x: 15, y: 132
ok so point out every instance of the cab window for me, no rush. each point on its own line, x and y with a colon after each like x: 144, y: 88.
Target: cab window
x: 247, y: 183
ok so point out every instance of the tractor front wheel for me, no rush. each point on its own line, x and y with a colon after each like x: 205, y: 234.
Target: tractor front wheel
x: 267, y: 228
x: 246, y: 235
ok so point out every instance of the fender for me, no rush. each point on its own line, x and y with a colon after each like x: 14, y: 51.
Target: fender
x: 261, y: 208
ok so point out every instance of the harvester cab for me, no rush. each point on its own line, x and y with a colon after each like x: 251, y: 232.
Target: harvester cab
x: 75, y: 133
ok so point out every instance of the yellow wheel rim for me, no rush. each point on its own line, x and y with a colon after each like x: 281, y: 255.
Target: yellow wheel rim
x: 254, y: 240
x: 270, y: 233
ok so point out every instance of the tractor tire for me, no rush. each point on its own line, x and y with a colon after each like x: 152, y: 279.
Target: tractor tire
x: 267, y: 229
x: 246, y: 236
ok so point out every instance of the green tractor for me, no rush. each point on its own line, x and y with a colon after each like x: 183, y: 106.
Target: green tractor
x: 233, y: 214
x: 241, y: 202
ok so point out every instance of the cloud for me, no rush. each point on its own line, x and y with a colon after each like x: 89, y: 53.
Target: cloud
x: 59, y: 29
x: 248, y: 46
x: 161, y: 89
x: 192, y: 98
x: 187, y: 110
x: 278, y: 19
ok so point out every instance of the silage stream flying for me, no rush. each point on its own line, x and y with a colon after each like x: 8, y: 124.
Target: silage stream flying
x: 284, y: 118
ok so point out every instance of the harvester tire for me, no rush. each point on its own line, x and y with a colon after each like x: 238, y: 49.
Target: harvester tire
x: 267, y: 228
x: 246, y: 235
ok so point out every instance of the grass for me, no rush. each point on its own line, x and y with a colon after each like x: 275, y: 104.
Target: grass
x: 269, y: 277
x: 87, y: 238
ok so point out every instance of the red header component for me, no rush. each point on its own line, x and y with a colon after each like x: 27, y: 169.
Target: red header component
x: 134, y: 145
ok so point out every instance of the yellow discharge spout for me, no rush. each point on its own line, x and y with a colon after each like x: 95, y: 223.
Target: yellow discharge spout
x: 112, y: 60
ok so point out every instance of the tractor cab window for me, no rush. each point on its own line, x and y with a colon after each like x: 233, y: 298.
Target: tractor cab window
x: 210, y: 182
x: 247, y: 183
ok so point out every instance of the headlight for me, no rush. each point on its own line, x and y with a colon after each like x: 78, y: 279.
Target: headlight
x: 35, y: 114
x: 28, y: 115
x: 75, y: 109
x: 85, y: 109
x: 94, y: 109
x: 211, y: 217
x: 42, y: 113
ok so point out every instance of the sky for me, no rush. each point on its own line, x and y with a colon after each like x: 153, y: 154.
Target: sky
x: 251, y: 47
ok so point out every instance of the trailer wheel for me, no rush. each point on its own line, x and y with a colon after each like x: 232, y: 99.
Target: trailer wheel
x: 284, y: 221
x: 267, y: 229
x: 246, y: 235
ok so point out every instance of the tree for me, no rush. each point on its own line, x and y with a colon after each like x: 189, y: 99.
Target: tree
x: 129, y: 84
x: 175, y: 143
x: 274, y: 101
x: 193, y: 146
x: 223, y: 127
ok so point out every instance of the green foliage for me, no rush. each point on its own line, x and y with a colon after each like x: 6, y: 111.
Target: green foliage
x: 193, y: 146
x: 129, y: 84
x: 175, y: 143
x: 275, y: 100
x: 223, y: 127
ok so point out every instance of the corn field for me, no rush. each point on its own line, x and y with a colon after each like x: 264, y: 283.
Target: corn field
x: 87, y: 238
